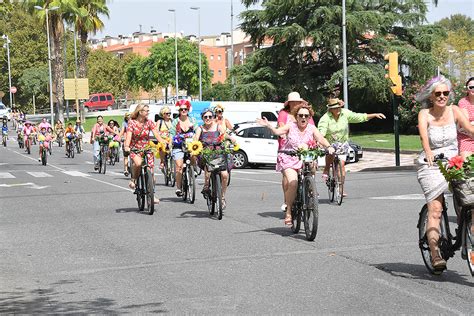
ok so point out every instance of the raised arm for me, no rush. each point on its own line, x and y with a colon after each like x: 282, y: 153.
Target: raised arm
x: 277, y: 131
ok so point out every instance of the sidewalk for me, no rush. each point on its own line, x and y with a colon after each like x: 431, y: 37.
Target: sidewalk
x: 380, y: 161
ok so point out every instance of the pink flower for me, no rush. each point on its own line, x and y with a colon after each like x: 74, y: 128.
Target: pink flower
x: 312, y: 144
x: 456, y: 161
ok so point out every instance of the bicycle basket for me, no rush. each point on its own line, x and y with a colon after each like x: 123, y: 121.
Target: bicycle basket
x: 216, y: 162
x: 463, y: 190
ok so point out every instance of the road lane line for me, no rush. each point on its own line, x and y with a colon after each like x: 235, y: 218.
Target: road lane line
x: 6, y: 175
x: 417, y: 296
x: 74, y: 173
x: 255, y: 180
x: 400, y: 197
x: 22, y: 155
x: 39, y: 174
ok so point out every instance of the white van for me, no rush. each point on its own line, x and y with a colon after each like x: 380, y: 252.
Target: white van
x: 154, y: 114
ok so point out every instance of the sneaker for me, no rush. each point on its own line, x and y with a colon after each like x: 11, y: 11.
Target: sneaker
x: 179, y: 193
x: 283, y: 207
x: 96, y: 167
x: 39, y: 159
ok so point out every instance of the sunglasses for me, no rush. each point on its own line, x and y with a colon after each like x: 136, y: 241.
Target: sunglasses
x: 303, y: 115
x: 167, y: 113
x: 219, y: 111
x: 438, y: 93
x: 207, y: 117
x: 471, y: 87
x: 183, y: 110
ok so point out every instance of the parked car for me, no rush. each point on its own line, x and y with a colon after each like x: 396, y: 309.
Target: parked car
x: 259, y: 146
x: 4, y: 111
x: 99, y: 101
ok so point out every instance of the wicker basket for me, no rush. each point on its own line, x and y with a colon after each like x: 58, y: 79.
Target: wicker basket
x: 463, y: 190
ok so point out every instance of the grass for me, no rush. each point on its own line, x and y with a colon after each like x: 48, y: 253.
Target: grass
x: 386, y: 141
x: 90, y: 121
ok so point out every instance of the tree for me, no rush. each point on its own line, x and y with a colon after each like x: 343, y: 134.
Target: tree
x: 106, y: 73
x: 218, y: 92
x: 87, y: 21
x: 33, y: 82
x: 306, y: 43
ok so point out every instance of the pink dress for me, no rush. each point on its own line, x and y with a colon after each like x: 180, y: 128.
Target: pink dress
x: 294, y: 138
x: 465, y: 142
x: 285, y: 118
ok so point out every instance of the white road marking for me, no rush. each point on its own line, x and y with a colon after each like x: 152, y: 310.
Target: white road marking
x: 418, y: 296
x: 400, y: 197
x: 6, y: 175
x: 245, y: 172
x: 31, y: 185
x: 89, y: 162
x: 39, y: 174
x: 255, y: 180
x: 74, y: 173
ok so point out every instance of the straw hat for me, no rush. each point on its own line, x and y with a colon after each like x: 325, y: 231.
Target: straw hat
x: 333, y: 104
x: 293, y: 96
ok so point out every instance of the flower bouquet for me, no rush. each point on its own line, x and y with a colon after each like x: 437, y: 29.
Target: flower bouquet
x: 309, y: 151
x: 460, y: 175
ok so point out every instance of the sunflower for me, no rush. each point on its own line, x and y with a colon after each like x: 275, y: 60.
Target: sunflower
x: 236, y: 147
x: 195, y: 147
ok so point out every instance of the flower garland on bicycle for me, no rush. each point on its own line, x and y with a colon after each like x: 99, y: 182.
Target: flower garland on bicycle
x: 297, y: 133
x: 182, y: 130
x: 138, y: 137
x: 212, y: 136
x: 334, y: 126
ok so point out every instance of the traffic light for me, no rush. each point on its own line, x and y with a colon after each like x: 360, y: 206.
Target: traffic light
x: 393, y: 75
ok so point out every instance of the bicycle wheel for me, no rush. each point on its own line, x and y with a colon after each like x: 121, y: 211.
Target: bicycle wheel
x: 43, y: 157
x: 310, y: 211
x: 210, y: 197
x: 296, y: 217
x: 140, y: 192
x: 166, y: 171
x: 78, y: 146
x: 113, y: 156
x: 184, y: 182
x: 172, y: 172
x: 217, y: 192
x: 423, y: 240
x: 28, y: 148
x: 469, y: 242
x: 149, y: 192
x: 330, y: 182
x: 191, y: 185
x: 4, y: 140
x: 338, y: 183
x: 99, y: 161
x: 103, y: 159
x: 71, y: 149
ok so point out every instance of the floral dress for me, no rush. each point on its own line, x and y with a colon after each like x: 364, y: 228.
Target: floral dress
x: 140, y: 138
x: 294, y: 138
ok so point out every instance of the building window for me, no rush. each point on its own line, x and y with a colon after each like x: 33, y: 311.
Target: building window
x: 219, y: 72
x: 212, y: 57
x: 218, y: 57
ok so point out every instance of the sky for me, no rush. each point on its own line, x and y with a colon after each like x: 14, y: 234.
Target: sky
x: 127, y: 15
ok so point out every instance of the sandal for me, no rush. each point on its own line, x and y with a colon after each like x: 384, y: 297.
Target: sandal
x: 125, y: 173
x: 223, y: 204
x: 288, y: 221
x: 438, y: 263
x: 131, y: 184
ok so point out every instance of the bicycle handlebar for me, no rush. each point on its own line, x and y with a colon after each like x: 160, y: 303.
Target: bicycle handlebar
x: 437, y: 157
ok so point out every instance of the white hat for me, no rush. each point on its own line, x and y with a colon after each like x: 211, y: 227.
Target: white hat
x: 293, y: 96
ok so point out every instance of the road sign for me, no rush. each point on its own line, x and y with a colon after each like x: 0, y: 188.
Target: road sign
x: 82, y: 89
x: 13, y: 89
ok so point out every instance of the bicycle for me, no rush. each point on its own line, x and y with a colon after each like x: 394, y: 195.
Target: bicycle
x: 4, y: 138
x: 188, y: 179
x: 305, y: 207
x: 28, y: 141
x: 20, y: 140
x: 78, y: 142
x: 70, y: 148
x: 112, y: 156
x: 59, y: 138
x: 169, y: 170
x: 335, y: 179
x: 43, y: 155
x: 145, y: 186
x: 214, y: 166
x: 447, y: 243
x: 104, y: 146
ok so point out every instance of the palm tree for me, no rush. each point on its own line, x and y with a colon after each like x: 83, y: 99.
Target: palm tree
x: 56, y: 30
x: 87, y: 22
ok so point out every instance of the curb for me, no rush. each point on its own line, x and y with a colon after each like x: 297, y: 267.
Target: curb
x: 388, y: 150
x: 391, y: 168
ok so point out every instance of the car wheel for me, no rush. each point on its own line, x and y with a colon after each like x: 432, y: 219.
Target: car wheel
x: 240, y: 160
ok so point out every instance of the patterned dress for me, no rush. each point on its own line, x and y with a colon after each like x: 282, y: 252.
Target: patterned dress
x: 294, y: 138
x: 442, y: 139
x: 141, y: 137
x: 466, y: 142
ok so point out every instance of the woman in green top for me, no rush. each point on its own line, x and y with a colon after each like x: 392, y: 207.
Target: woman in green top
x: 334, y: 125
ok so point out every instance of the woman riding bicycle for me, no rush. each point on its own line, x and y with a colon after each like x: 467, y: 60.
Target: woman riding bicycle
x: 97, y: 130
x: 44, y: 139
x: 212, y: 135
x: 285, y: 117
x: 466, y: 104
x: 138, y: 137
x: 183, y: 127
x: 437, y: 127
x: 164, y: 126
x: 27, y: 131
x: 297, y: 133
x: 334, y: 125
x: 115, y: 142
x: 69, y: 135
x: 59, y: 129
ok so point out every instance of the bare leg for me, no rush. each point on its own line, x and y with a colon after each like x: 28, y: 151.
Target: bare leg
x: 136, y: 165
x: 179, y: 173
x: 290, y: 193
x: 435, y: 209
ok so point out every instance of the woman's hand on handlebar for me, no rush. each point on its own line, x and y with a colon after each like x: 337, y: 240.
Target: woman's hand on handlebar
x: 330, y: 150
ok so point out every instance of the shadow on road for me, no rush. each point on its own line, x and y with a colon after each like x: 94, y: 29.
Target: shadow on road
x: 193, y: 214
x: 129, y: 210
x: 419, y: 272
x: 279, y: 214
x: 52, y: 301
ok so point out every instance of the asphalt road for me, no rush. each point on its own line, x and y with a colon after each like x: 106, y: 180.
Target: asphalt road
x: 71, y: 241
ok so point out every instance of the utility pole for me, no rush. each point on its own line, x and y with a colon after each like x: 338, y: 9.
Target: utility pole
x: 344, y: 56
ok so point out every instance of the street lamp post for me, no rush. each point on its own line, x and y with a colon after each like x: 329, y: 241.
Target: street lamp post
x: 49, y: 59
x: 199, y: 45
x: 232, y: 39
x: 7, y: 45
x: 344, y: 56
x: 175, y: 51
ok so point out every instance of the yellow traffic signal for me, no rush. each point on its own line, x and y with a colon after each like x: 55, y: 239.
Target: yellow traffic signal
x: 392, y: 68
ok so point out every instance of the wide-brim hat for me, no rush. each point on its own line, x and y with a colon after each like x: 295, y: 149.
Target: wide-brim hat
x: 293, y: 96
x: 333, y: 104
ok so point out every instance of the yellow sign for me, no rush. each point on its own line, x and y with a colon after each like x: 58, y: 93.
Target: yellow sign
x: 79, y: 87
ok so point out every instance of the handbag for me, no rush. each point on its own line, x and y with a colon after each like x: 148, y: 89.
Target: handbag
x: 463, y: 190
